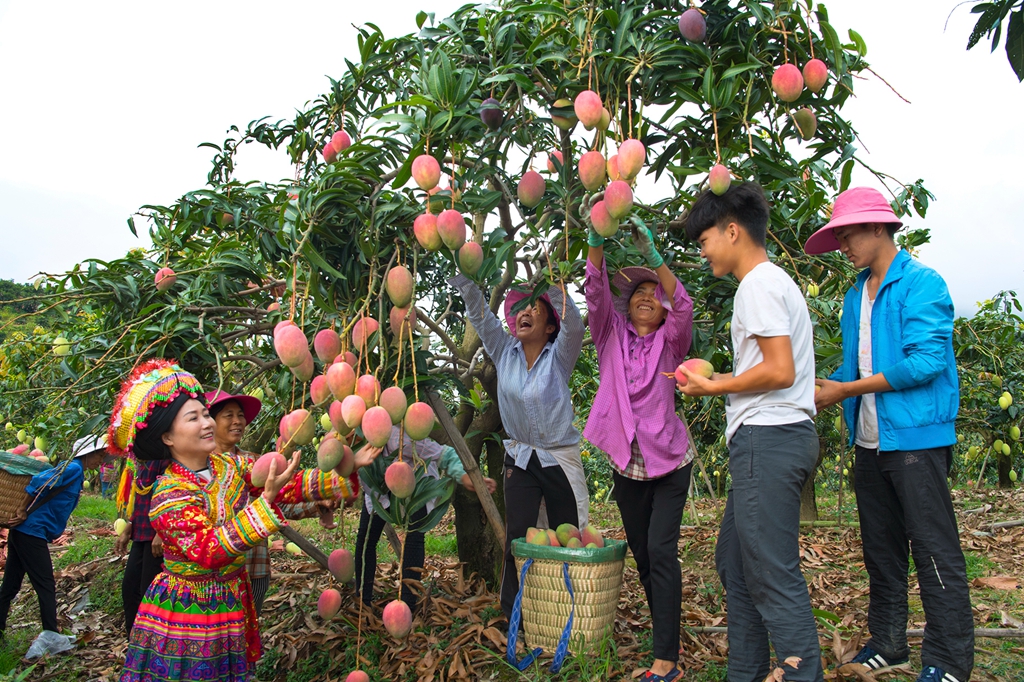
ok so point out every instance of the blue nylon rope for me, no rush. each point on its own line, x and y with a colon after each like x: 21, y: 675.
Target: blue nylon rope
x: 517, y: 613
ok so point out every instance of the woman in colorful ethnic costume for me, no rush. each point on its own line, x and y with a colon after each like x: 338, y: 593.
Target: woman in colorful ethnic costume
x: 197, y: 620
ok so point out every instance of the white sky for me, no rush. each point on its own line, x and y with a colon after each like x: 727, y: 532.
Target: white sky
x: 104, y: 104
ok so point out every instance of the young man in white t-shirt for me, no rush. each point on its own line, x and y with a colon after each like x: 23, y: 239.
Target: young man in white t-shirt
x: 773, y: 445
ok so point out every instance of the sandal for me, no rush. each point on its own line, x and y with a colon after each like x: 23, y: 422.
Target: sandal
x: 675, y: 673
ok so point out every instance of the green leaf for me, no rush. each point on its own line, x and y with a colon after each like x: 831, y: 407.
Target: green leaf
x: 1015, y: 43
x: 844, y: 182
x: 421, y: 18
x: 862, y: 47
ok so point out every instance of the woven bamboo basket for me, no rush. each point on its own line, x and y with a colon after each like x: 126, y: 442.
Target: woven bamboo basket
x: 596, y: 577
x: 15, y: 473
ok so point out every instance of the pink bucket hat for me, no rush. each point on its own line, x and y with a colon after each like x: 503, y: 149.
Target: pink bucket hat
x: 855, y: 206
x: 517, y: 295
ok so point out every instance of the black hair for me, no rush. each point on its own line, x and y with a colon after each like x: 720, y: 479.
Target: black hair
x: 149, y: 445
x: 892, y: 229
x: 551, y: 319
x: 215, y: 409
x: 743, y: 204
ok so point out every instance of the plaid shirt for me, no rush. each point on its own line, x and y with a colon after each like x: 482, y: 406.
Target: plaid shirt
x: 257, y: 560
x: 145, y: 477
x: 635, y: 468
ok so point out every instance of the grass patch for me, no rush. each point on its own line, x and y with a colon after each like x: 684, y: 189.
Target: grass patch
x: 95, y: 507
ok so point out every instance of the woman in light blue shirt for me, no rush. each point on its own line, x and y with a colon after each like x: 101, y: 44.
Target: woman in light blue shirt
x: 534, y: 359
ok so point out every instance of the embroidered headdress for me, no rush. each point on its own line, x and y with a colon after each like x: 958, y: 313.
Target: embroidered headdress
x: 152, y: 384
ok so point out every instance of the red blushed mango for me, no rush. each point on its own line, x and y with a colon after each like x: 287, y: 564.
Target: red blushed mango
x: 425, y: 229
x: 362, y: 330
x: 419, y: 420
x: 304, y: 371
x: 591, y: 170
x: 329, y: 153
x: 399, y: 285
x: 552, y: 157
x: 588, y: 108
x: 402, y: 320
x: 815, y: 75
x: 471, y: 257
x: 591, y: 536
x: 329, y: 603
x: 632, y: 155
x: 357, y: 676
x: 451, y: 226
x: 604, y: 224
x: 337, y: 419
x: 695, y: 365
x: 261, y: 468
x: 426, y: 171
x: 329, y: 452
x: 368, y: 388
x: 400, y: 479
x: 491, y: 113
x: 394, y: 401
x: 164, y: 279
x: 693, y: 26
x: 341, y: 380
x: 531, y: 189
x: 341, y: 565
x: 719, y: 179
x: 319, y: 391
x: 552, y: 538
x: 376, y: 424
x: 352, y: 410
x: 613, y: 168
x: 327, y: 345
x: 291, y: 344
x: 618, y: 197
x: 298, y: 426
x: 787, y: 82
x: 340, y: 141
x: 397, y: 619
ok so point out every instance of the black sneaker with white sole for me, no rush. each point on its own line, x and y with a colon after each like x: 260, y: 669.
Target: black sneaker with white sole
x: 874, y: 660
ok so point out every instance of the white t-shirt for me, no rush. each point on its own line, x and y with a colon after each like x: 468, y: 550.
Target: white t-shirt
x: 867, y: 416
x: 768, y: 303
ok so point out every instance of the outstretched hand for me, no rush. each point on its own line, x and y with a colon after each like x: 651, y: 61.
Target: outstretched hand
x: 467, y: 483
x: 697, y: 385
x: 644, y: 242
x: 277, y: 480
x: 365, y: 455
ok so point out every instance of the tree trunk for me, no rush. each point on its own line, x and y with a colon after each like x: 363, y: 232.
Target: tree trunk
x: 475, y: 540
x: 477, y: 545
x: 808, y: 500
x: 1003, y: 465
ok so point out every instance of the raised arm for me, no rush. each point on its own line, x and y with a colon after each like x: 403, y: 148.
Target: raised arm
x: 599, y: 302
x: 570, y: 338
x: 486, y: 323
x: 179, y: 515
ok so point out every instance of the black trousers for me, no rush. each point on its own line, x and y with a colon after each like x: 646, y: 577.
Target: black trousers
x: 524, y: 490
x: 31, y: 555
x: 370, y: 528
x: 652, y: 512
x: 904, y: 507
x: 259, y: 587
x: 140, y: 571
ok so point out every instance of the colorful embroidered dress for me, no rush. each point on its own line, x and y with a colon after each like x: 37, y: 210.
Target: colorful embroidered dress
x: 197, y: 621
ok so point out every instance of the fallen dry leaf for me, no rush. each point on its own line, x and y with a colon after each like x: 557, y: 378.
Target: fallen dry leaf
x: 998, y: 582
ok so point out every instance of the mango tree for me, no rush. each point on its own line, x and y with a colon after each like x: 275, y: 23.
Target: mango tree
x: 472, y: 122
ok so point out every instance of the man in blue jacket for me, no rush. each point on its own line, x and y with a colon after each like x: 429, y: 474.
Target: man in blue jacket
x: 27, y: 550
x: 900, y: 395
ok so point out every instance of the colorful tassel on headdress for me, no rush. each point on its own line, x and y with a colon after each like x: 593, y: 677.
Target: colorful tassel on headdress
x: 125, y: 497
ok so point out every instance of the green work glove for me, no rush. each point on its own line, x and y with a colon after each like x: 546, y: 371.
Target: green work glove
x: 594, y: 240
x: 644, y: 243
